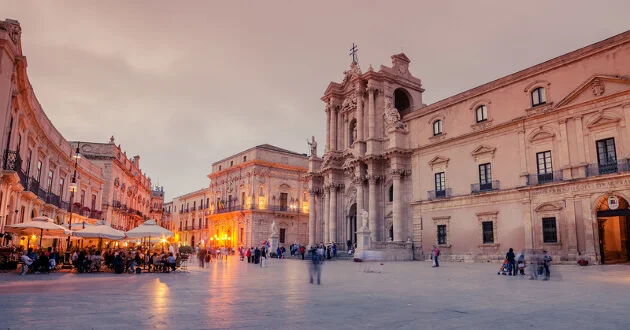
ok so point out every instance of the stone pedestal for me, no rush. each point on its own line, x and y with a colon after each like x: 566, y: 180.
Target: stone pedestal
x: 363, y: 242
x: 397, y: 137
x: 274, y: 241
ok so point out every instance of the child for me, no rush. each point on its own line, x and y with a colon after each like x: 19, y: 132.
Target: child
x: 504, y: 268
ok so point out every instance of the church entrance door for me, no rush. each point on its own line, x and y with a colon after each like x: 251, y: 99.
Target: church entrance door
x: 352, y: 224
x: 613, y: 217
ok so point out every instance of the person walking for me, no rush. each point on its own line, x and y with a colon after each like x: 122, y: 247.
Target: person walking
x: 511, y: 258
x: 302, y: 251
x: 315, y: 267
x: 520, y: 263
x: 546, y: 260
x: 435, y: 254
x: 248, y: 254
x: 334, y: 250
x: 278, y: 253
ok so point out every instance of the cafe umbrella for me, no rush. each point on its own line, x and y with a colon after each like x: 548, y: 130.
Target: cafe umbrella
x: 100, y: 231
x: 149, y: 229
x: 42, y: 226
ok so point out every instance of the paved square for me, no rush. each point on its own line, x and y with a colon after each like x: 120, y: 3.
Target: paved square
x: 237, y: 295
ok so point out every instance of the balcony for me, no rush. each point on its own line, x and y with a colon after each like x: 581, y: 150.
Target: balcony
x: 476, y: 188
x: 64, y: 205
x: 536, y: 179
x: 199, y: 208
x: 53, y: 199
x: 610, y: 168
x: 11, y: 161
x: 94, y: 214
x: 438, y: 194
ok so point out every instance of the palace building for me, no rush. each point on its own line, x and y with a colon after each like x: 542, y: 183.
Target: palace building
x: 40, y: 167
x: 536, y: 160
x: 248, y: 191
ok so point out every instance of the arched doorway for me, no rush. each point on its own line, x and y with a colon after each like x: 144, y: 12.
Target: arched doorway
x: 391, y: 233
x: 613, y: 214
x: 402, y: 101
x: 352, y: 224
x: 192, y: 240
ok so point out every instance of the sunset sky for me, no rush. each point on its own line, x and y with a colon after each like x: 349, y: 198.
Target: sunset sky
x: 186, y: 83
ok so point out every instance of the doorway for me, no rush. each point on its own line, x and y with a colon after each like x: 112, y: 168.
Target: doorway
x: 352, y: 224
x: 192, y: 241
x: 613, y: 216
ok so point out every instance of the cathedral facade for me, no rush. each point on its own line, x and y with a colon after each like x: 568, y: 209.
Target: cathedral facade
x: 536, y: 160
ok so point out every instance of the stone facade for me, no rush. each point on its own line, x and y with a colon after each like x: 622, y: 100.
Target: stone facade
x: 247, y: 193
x: 530, y: 161
x: 38, y: 163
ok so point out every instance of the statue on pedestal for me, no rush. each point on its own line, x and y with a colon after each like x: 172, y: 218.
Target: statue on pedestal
x: 392, y: 116
x: 274, y: 231
x: 313, y: 146
x: 364, y: 219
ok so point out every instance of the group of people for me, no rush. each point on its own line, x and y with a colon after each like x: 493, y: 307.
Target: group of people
x: 40, y: 261
x: 516, y: 264
x: 253, y: 255
x: 206, y: 255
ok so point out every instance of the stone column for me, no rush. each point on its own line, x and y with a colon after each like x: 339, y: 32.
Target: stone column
x: 371, y: 119
x: 397, y: 207
x: 523, y: 155
x: 571, y: 228
x: 325, y: 230
x: 587, y: 215
x: 527, y: 224
x: 359, y: 114
x: 327, y: 129
x: 333, y: 129
x: 311, y: 217
x: 359, y: 185
x: 372, y: 207
x: 332, y: 222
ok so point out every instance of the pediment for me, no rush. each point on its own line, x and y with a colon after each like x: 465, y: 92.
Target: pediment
x: 390, y: 214
x: 332, y: 88
x: 483, y: 150
x: 548, y: 207
x: 437, y: 161
x: 595, y: 87
x: 541, y: 134
x: 602, y: 119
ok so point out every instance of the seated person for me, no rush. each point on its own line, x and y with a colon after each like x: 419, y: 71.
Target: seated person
x: 96, y: 260
x: 42, y: 263
x: 26, y: 262
x: 171, y: 261
x: 118, y: 264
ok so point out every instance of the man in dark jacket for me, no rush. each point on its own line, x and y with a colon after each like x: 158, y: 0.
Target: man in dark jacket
x: 512, y: 262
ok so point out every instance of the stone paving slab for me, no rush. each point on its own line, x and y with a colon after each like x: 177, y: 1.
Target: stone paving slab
x: 403, y: 295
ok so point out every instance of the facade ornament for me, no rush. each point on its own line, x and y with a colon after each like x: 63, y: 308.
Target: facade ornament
x: 117, y: 182
x: 370, y: 69
x: 372, y: 178
x: 13, y: 29
x: 313, y: 146
x: 391, y: 115
x: 349, y: 103
x: 598, y: 87
x: 274, y: 228
x: 111, y: 140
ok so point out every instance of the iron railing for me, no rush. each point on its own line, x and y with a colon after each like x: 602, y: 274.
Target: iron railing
x: 621, y: 165
x: 481, y: 187
x: 33, y: 186
x: 64, y: 205
x: 534, y: 179
x: 53, y: 199
x: 272, y: 208
x: 437, y: 194
x: 11, y: 161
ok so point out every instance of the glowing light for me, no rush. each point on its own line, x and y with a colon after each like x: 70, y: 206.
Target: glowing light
x: 163, y: 240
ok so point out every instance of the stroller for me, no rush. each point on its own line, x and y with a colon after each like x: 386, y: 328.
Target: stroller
x: 505, y: 268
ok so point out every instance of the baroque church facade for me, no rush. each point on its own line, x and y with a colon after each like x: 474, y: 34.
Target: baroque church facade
x: 536, y: 160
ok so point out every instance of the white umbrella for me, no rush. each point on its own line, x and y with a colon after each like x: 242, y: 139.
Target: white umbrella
x: 38, y: 226
x: 147, y: 229
x: 100, y: 231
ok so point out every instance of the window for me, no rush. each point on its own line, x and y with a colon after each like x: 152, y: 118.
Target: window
x: 62, y: 183
x: 243, y: 198
x: 194, y: 205
x: 231, y: 163
x: 28, y: 161
x: 543, y: 164
x: 219, y: 167
x: 50, y: 180
x: 437, y: 127
x: 485, y: 175
x: 240, y: 236
x: 283, y: 201
x: 606, y: 156
x: 439, y: 181
x: 538, y: 97
x: 244, y: 159
x: 482, y: 113
x: 441, y: 232
x: 391, y: 193
x: 207, y: 201
x: 283, y: 233
x: 488, y: 232
x: 93, y: 202
x: 82, y: 197
x: 39, y: 171
x: 550, y: 233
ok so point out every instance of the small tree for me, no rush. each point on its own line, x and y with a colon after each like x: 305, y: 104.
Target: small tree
x: 185, y: 249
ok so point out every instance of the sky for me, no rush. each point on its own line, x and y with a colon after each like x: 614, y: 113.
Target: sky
x: 186, y: 83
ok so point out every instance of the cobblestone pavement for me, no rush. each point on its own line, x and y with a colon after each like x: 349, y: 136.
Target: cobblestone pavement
x: 236, y: 295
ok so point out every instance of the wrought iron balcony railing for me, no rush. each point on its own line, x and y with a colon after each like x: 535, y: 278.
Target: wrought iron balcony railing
x: 621, y: 165
x: 535, y: 179
x: 11, y: 161
x: 437, y: 194
x: 482, y: 187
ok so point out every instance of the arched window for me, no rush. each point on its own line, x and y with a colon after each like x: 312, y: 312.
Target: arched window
x: 391, y: 194
x: 538, y: 97
x: 437, y: 127
x: 482, y: 113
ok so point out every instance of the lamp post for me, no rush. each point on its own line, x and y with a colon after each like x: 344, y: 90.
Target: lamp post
x: 73, y: 189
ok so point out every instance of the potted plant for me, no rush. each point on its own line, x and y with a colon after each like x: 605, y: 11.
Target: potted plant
x: 185, y: 251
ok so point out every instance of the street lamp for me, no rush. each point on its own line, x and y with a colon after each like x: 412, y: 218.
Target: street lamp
x: 73, y: 188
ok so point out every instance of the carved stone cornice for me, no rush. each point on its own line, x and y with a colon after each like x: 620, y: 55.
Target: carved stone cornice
x: 437, y: 138
x: 400, y: 173
x: 372, y: 178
